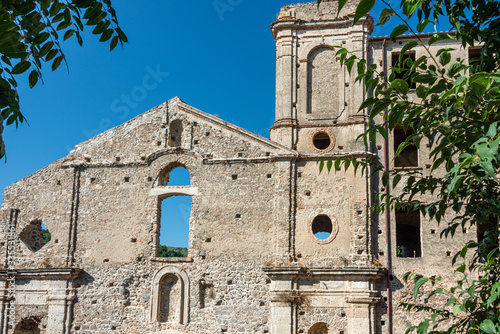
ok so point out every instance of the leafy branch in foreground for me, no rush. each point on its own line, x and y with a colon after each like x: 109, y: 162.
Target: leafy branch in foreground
x: 32, y: 31
x: 454, y: 106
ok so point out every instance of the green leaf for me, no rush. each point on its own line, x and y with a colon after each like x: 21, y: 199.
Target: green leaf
x: 418, y: 284
x: 397, y: 31
x: 421, y: 26
x: 52, y: 53
x: 68, y: 34
x: 488, y: 327
x: 385, y: 16
x: 33, y: 78
x: 114, y: 43
x: 106, y: 35
x: 340, y: 5
x: 57, y: 62
x: 439, y: 37
x: 21, y: 67
x: 363, y: 8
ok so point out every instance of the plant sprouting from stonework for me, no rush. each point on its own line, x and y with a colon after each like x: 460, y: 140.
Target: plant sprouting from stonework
x: 294, y: 297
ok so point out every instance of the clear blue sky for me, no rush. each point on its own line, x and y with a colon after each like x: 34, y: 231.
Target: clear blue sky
x: 218, y: 56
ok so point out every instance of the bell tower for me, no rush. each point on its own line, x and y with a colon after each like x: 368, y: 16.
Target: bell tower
x: 315, y: 96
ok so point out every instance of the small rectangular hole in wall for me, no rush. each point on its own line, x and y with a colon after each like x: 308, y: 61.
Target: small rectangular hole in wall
x: 77, y: 328
x: 207, y: 133
x: 341, y: 147
x: 307, y: 193
x: 427, y: 166
x: 126, y: 179
x: 58, y: 182
x: 299, y: 174
x: 379, y: 147
x: 92, y: 180
x: 382, y: 323
x: 448, y: 253
x: 391, y: 277
x: 464, y: 230
x: 433, y: 231
x: 208, y: 240
x: 235, y: 176
x: 385, y: 299
x: 56, y: 241
x: 195, y: 123
x: 379, y: 231
x: 229, y: 281
x: 105, y: 259
x: 240, y: 154
x: 238, y: 215
x: 158, y: 143
x: 268, y: 154
x: 133, y: 240
x: 143, y: 157
x: 269, y: 176
x: 381, y: 253
x: 117, y: 159
x: 150, y: 179
x: 359, y: 212
x: 195, y: 142
x: 360, y: 252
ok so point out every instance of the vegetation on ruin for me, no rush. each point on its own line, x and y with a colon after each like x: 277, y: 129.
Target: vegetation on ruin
x: 32, y: 33
x: 167, y: 251
x: 457, y: 113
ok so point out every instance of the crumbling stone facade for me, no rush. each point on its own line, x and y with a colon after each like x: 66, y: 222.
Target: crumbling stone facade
x: 257, y: 261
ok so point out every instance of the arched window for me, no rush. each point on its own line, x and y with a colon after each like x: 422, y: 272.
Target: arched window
x: 174, y: 175
x: 318, y: 328
x: 175, y: 134
x: 323, y: 82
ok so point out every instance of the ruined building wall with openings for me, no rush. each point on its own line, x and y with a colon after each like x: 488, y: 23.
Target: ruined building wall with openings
x: 275, y: 246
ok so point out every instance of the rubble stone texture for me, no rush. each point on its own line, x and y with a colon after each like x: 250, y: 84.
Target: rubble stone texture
x: 254, y: 263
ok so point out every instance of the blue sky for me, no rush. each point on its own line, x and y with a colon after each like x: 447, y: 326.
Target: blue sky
x: 218, y: 56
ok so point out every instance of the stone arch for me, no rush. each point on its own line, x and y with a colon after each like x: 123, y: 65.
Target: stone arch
x: 170, y: 296
x: 30, y: 325
x: 175, y: 133
x: 323, y: 90
x: 318, y: 328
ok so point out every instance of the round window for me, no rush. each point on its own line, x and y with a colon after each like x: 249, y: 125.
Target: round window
x: 322, y: 140
x: 322, y: 226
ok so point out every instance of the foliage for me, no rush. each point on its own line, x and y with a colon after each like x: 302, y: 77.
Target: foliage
x: 32, y: 32
x: 46, y: 236
x: 167, y: 251
x: 455, y: 108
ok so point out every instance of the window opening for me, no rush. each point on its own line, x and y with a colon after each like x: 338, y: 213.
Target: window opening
x: 35, y: 236
x: 322, y: 227
x: 408, y: 157
x: 176, y: 176
x: 175, y: 133
x: 321, y: 140
x: 408, y: 234
x: 174, y: 226
x: 474, y: 56
x: 400, y: 70
x: 488, y: 230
